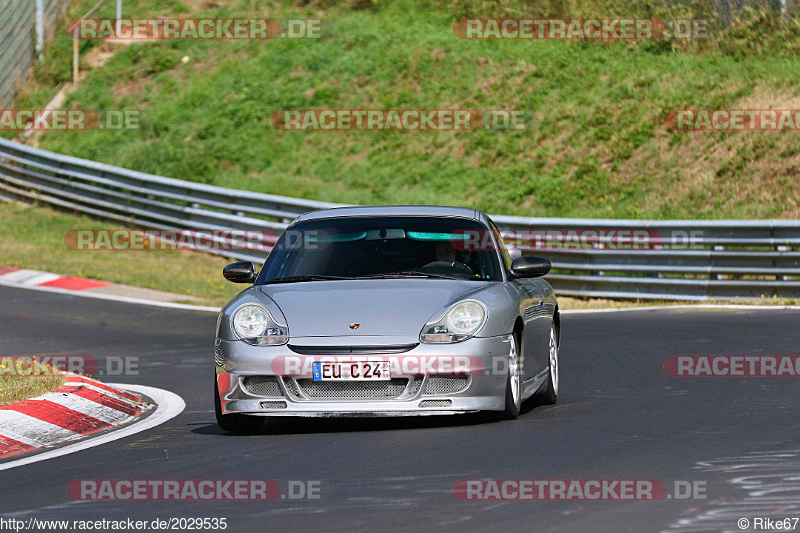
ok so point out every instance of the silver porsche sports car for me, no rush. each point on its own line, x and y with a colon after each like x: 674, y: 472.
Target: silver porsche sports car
x: 386, y: 311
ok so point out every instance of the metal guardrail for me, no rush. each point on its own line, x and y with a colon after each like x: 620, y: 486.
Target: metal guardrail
x: 672, y: 259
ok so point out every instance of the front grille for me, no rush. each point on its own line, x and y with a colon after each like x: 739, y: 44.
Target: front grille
x: 348, y: 350
x: 435, y: 403
x: 272, y: 405
x: 415, y: 386
x: 390, y: 388
x: 446, y: 384
x: 262, y: 386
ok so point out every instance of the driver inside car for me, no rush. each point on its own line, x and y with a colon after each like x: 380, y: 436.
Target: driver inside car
x: 446, y: 261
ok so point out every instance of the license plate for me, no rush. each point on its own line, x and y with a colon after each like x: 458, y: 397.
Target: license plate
x: 351, y: 371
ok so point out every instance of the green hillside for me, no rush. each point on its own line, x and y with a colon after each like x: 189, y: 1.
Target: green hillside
x: 599, y: 146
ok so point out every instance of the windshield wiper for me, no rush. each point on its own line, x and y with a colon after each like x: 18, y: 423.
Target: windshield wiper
x: 405, y: 274
x: 296, y: 279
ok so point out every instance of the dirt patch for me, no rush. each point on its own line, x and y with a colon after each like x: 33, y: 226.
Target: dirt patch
x: 438, y: 54
x: 768, y: 98
x: 206, y: 65
x: 131, y: 87
x: 202, y: 5
x: 98, y: 56
x: 703, y: 160
x: 298, y: 73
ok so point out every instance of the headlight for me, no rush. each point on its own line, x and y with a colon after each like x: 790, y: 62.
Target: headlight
x: 253, y: 324
x: 462, y: 321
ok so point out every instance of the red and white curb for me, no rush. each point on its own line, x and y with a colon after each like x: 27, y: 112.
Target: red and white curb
x: 167, y: 404
x: 80, y: 407
x: 58, y: 284
x: 34, y: 278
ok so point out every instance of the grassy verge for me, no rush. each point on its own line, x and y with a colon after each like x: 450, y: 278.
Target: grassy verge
x: 22, y: 380
x: 599, y: 148
x: 566, y: 303
x: 33, y: 238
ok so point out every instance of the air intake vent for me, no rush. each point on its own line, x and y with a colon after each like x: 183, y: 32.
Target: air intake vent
x: 262, y: 386
x: 446, y: 384
x: 272, y: 405
x: 435, y: 403
x: 353, y: 389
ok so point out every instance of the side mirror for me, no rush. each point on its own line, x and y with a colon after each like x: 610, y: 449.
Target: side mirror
x: 529, y: 267
x: 241, y: 272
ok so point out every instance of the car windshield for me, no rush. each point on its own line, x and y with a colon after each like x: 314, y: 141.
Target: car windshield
x: 377, y: 248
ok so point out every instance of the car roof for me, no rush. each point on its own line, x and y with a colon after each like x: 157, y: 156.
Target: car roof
x: 395, y: 211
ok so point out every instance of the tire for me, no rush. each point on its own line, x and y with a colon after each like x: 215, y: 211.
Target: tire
x: 235, y: 423
x: 513, y: 383
x: 549, y: 394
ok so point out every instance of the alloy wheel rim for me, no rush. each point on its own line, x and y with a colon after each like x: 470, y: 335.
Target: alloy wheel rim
x: 513, y: 371
x: 554, y: 360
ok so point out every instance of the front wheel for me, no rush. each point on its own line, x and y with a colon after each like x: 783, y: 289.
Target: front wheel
x: 549, y: 394
x: 236, y: 423
x: 513, y: 383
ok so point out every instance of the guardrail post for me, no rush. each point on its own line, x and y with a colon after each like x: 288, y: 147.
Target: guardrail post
x: 599, y: 246
x: 781, y: 248
x: 716, y: 247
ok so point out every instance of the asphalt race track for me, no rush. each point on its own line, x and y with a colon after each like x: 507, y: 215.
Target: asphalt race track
x: 619, y: 416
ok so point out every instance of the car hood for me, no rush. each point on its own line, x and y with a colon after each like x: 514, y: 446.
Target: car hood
x: 379, y: 307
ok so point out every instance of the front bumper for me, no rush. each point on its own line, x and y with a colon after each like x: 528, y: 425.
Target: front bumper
x: 417, y: 386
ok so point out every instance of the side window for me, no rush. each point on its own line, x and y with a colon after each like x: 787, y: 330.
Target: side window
x: 503, y: 250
